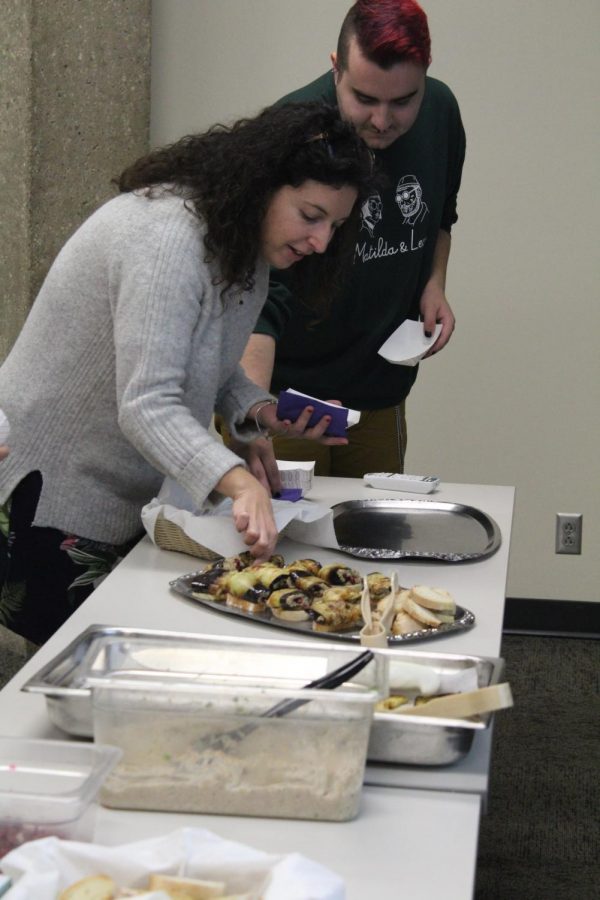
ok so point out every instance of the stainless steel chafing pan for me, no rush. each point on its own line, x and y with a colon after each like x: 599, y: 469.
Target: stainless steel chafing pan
x: 431, y: 742
x: 102, y: 654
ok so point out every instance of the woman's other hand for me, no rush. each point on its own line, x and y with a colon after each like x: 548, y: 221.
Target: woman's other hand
x: 267, y: 419
x: 260, y: 459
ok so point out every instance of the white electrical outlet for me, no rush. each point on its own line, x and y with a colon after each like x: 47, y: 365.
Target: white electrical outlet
x: 568, y: 532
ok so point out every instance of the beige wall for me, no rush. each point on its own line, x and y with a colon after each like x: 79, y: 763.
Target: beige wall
x: 74, y: 109
x: 515, y: 398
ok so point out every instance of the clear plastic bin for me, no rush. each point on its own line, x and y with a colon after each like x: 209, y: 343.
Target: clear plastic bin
x: 182, y: 751
x: 47, y: 788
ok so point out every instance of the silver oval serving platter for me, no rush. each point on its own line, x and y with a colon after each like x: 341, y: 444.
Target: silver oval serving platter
x: 183, y: 585
x: 417, y: 529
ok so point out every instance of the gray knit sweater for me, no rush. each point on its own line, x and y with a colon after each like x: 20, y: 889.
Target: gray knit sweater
x: 125, y: 355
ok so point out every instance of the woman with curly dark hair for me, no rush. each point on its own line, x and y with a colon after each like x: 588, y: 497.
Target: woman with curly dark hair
x: 229, y: 176
x: 135, y: 340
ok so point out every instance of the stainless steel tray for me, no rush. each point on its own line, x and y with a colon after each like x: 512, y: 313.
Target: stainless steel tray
x: 102, y: 656
x: 464, y: 618
x: 106, y: 653
x: 418, y: 529
x: 431, y: 742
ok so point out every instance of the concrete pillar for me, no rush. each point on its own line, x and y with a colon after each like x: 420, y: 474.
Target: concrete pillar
x: 74, y: 111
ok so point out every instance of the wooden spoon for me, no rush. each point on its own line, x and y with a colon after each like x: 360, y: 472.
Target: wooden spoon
x: 465, y: 705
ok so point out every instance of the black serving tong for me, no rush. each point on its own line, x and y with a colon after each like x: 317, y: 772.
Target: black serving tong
x: 228, y: 739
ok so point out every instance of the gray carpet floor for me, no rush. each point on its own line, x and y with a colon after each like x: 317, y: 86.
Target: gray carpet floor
x: 540, y: 838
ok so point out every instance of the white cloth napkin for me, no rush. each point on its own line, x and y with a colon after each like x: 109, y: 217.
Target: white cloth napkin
x: 42, y: 868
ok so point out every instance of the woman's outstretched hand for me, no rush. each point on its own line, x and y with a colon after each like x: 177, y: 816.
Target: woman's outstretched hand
x: 252, y: 511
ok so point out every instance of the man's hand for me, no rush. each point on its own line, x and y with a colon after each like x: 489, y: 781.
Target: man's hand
x: 435, y: 308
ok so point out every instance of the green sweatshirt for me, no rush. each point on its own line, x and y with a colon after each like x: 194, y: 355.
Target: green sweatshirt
x: 392, y: 263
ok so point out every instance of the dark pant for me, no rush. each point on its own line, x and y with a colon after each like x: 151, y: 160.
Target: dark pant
x: 45, y: 574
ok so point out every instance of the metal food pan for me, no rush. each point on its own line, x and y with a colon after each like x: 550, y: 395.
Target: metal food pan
x: 409, y: 740
x: 105, y: 653
x: 102, y: 656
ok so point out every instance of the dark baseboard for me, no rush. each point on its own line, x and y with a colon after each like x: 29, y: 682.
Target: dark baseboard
x: 560, y: 618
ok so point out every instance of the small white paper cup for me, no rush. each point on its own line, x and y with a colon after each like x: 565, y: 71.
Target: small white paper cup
x: 408, y: 344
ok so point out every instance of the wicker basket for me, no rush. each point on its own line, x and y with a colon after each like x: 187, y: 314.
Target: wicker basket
x: 169, y: 536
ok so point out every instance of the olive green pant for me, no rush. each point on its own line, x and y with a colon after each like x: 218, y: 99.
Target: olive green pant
x: 376, y: 444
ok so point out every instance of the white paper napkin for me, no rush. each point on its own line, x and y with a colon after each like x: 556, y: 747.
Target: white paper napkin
x: 408, y: 344
x: 41, y: 868
x: 304, y: 521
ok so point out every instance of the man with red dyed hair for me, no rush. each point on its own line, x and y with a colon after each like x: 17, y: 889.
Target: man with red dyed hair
x: 412, y: 123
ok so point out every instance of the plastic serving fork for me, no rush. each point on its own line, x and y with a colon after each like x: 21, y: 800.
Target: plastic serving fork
x: 326, y: 682
x: 375, y: 634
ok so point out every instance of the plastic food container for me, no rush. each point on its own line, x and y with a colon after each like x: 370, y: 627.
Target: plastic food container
x: 47, y: 788
x: 204, y: 744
